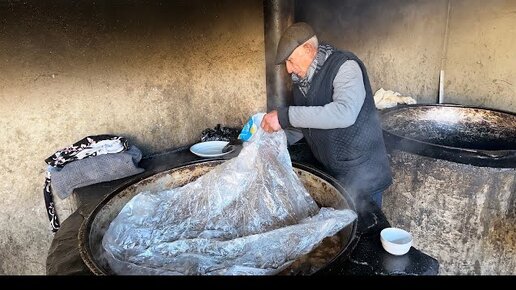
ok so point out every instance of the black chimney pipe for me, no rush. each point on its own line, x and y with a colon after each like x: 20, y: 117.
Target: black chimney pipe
x: 278, y: 15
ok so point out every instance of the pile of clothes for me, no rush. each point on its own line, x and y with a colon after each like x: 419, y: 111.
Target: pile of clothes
x: 91, y: 160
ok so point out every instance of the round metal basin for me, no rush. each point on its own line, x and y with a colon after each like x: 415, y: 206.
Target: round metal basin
x: 454, y: 171
x: 323, y: 188
x: 468, y: 135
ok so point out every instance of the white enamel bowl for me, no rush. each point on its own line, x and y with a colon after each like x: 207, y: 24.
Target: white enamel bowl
x: 396, y: 241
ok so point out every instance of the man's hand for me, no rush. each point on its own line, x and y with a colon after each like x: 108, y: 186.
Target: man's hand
x: 270, y: 122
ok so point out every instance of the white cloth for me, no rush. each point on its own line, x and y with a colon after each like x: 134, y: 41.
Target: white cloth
x: 387, y: 99
x: 102, y: 147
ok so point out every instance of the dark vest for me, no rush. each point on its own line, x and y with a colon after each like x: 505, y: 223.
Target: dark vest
x: 355, y: 155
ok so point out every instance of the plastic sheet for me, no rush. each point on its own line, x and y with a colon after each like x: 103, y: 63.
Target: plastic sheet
x: 250, y: 215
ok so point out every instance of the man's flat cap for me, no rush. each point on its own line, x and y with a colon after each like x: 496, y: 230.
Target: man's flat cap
x: 295, y: 35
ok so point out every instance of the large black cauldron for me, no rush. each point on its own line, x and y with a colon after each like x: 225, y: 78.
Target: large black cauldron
x: 469, y: 135
x: 455, y: 184
x: 322, y: 187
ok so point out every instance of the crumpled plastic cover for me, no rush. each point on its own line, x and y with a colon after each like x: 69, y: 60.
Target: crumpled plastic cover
x: 250, y: 215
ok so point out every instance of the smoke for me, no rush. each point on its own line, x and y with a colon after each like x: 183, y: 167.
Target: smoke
x: 361, y: 184
x: 344, y: 23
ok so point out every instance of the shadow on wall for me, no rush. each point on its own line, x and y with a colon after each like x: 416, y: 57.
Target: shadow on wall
x: 155, y: 72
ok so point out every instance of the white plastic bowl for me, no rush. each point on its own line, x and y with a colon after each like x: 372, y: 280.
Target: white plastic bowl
x: 396, y: 241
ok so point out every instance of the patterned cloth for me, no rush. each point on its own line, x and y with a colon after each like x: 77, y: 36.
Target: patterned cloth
x: 84, y: 148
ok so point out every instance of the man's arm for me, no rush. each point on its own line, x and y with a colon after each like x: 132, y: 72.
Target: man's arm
x: 348, y: 98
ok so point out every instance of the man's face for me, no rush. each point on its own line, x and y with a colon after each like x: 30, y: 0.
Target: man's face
x: 299, y: 61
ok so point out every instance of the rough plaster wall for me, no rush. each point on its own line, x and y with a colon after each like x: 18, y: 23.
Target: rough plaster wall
x: 462, y: 215
x: 481, y: 58
x: 155, y: 72
x: 401, y: 43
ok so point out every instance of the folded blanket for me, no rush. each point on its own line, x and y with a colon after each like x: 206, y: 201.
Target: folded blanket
x: 71, y: 167
x: 95, y: 169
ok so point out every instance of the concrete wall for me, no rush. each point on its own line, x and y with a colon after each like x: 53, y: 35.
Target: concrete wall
x: 481, y: 58
x: 402, y: 43
x: 460, y: 214
x: 155, y: 72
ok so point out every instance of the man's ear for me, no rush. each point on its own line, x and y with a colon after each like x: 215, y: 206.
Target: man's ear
x: 308, y: 47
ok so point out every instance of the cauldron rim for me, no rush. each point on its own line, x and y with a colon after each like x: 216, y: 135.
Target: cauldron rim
x: 476, y: 157
x: 85, y: 228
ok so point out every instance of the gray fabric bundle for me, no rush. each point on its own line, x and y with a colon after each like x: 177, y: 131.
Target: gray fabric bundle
x: 95, y: 169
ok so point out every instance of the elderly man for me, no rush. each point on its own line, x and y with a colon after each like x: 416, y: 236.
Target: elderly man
x: 334, y: 111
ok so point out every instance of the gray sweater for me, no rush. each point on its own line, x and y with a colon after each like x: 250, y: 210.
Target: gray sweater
x: 348, y: 98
